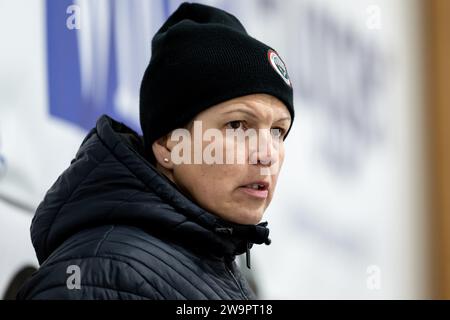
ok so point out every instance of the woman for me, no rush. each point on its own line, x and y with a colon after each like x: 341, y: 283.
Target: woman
x: 164, y: 215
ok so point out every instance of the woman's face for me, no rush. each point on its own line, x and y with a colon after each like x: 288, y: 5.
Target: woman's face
x: 233, y: 178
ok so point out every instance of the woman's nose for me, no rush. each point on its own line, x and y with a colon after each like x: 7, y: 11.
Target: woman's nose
x: 267, y: 150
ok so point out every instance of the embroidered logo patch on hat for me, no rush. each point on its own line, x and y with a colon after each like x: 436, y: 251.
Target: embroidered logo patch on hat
x: 279, y: 66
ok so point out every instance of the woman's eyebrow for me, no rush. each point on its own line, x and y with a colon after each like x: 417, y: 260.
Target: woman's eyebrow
x: 247, y: 112
x: 283, y: 119
x: 251, y: 114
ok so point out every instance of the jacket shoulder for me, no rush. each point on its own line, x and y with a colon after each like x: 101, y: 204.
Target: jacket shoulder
x: 83, y: 268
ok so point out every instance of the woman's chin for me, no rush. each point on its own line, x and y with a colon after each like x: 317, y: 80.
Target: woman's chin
x: 252, y: 217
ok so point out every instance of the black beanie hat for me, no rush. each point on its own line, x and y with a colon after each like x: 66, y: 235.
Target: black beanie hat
x: 203, y: 56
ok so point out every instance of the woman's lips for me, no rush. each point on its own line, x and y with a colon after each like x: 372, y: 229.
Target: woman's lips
x: 260, y: 194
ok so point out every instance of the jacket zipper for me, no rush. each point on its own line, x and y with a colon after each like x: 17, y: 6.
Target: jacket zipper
x: 236, y: 281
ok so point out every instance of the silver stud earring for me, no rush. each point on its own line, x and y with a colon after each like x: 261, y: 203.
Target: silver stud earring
x: 166, y: 160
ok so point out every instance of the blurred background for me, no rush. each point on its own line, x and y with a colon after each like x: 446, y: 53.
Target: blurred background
x: 362, y: 209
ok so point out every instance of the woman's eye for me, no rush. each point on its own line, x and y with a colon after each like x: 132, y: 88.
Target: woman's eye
x: 277, y: 132
x: 235, y: 124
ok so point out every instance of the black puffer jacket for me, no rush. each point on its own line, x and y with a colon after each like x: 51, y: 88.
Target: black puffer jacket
x: 132, y: 234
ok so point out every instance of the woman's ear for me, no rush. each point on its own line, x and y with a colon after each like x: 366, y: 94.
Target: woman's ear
x: 162, y: 153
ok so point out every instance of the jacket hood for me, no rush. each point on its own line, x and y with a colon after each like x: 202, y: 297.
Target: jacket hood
x: 110, y: 182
